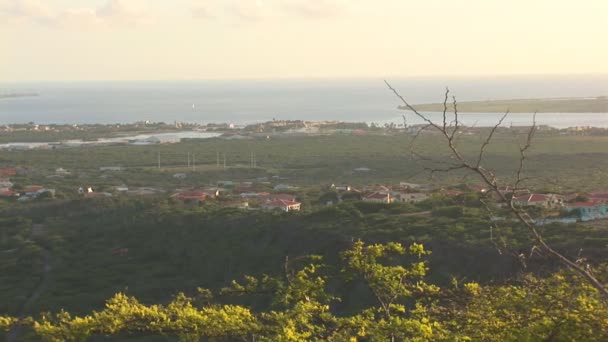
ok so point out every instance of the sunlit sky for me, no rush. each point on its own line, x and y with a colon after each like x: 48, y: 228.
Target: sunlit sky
x: 267, y: 39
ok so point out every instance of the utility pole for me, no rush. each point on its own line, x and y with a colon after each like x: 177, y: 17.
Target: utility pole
x: 255, y: 160
x: 218, y: 159
x: 159, y: 160
x: 224, y: 161
x: 193, y: 162
x: 188, y: 159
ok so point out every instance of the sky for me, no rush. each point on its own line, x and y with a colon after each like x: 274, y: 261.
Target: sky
x: 70, y: 40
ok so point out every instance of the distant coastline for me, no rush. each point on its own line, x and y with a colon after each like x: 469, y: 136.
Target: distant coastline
x: 14, y: 95
x: 549, y: 105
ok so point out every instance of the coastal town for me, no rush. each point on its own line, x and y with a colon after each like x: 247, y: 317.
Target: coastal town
x: 271, y: 194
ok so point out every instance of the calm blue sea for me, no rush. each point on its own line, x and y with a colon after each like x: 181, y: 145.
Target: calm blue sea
x: 242, y: 102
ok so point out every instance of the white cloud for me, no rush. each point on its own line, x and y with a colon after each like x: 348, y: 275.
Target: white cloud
x: 110, y: 14
x: 256, y: 10
x: 315, y: 8
x: 202, y: 12
x: 249, y: 10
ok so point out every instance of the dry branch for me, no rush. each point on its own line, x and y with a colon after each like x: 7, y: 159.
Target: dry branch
x: 490, y: 179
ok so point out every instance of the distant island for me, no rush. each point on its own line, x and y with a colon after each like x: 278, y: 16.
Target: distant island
x: 13, y: 95
x: 550, y: 105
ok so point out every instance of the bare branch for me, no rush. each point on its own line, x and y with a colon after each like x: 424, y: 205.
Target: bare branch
x: 489, y: 138
x: 490, y: 179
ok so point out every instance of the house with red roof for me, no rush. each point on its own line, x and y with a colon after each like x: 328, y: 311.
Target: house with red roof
x: 539, y: 200
x: 193, y: 196
x: 9, y: 193
x: 377, y: 197
x: 8, y: 171
x: 283, y: 205
x: 598, y: 196
x: 589, y: 210
x: 278, y: 197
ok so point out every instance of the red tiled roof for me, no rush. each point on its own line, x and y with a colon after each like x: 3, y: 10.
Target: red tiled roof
x: 280, y: 197
x: 582, y: 204
x: 8, y: 193
x: 8, y: 172
x: 377, y: 195
x: 190, y: 195
x: 33, y: 188
x: 532, y: 198
x: 281, y: 203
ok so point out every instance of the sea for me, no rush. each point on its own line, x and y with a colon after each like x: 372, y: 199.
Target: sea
x: 242, y: 102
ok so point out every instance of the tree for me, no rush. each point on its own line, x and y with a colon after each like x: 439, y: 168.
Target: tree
x: 449, y: 130
x: 391, y: 285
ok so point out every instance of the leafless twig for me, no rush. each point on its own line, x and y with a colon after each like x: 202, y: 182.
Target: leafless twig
x: 448, y: 132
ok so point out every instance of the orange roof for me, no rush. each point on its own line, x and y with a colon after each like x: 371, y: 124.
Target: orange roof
x: 532, y: 198
x: 377, y: 195
x: 280, y: 197
x: 282, y: 203
x: 33, y: 188
x: 190, y: 195
x: 583, y: 204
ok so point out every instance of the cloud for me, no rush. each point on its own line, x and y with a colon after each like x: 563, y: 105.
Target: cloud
x: 202, y: 12
x: 32, y: 9
x: 110, y: 14
x: 315, y: 8
x: 249, y: 10
x: 256, y: 10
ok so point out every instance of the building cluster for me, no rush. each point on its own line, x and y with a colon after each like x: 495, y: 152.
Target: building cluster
x: 240, y: 195
x: 404, y: 193
x: 579, y: 206
x: 25, y: 194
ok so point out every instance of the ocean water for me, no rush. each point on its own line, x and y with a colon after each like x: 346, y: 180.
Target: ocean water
x: 243, y: 102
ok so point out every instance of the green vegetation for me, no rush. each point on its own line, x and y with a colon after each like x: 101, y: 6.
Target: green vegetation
x: 301, y: 305
x: 559, y: 162
x: 142, y: 267
x: 557, y: 105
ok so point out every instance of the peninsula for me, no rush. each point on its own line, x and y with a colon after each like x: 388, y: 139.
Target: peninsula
x: 13, y: 95
x: 548, y: 105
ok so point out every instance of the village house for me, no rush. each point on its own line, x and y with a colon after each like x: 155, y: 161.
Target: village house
x: 588, y: 211
x: 180, y: 176
x: 377, y: 188
x: 411, y: 197
x: 34, y: 191
x: 8, y: 172
x: 190, y: 196
x: 283, y: 205
x: 5, y: 184
x: 599, y: 196
x: 547, y: 201
x: 377, y: 197
x: 8, y: 193
x: 278, y: 197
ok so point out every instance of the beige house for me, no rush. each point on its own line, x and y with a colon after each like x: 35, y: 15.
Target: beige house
x: 377, y: 197
x: 412, y: 197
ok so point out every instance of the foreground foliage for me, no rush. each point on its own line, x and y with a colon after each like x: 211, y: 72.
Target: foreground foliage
x: 302, y: 307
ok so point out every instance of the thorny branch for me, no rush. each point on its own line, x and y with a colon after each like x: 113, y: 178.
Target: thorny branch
x: 448, y: 132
